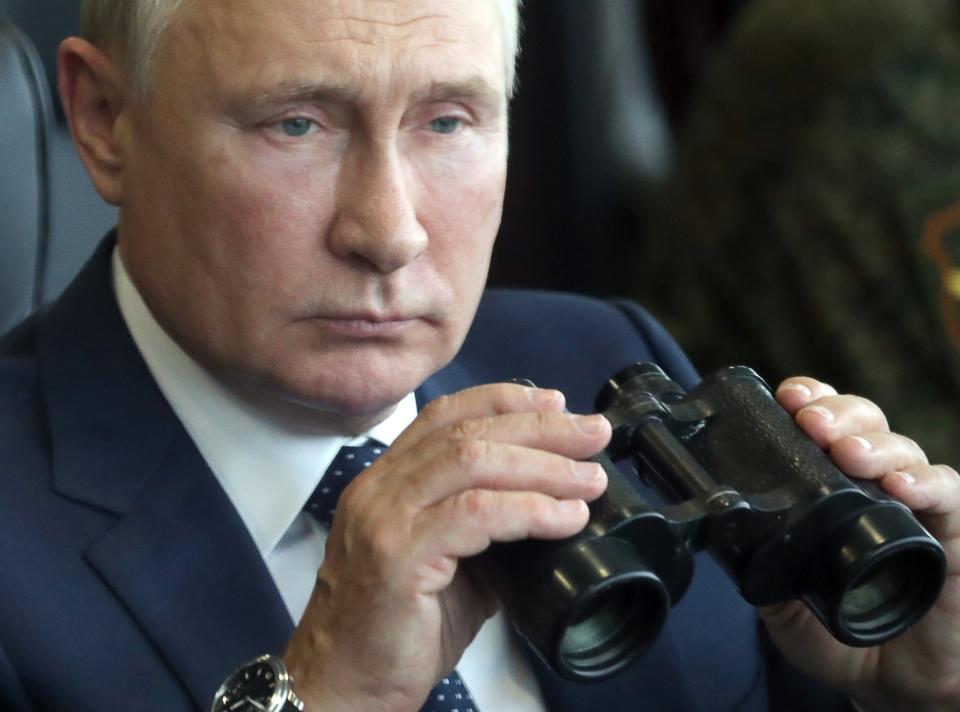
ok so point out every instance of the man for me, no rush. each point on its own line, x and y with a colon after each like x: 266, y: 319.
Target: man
x: 308, y: 193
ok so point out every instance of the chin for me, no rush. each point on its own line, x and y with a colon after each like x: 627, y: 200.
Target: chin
x: 363, y: 390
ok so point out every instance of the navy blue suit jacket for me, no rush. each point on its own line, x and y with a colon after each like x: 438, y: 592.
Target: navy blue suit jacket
x: 128, y: 581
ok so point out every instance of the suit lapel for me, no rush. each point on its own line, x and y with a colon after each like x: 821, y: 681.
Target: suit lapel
x: 178, y: 558
x: 183, y: 564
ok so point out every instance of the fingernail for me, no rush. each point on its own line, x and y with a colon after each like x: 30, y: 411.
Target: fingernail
x: 799, y: 388
x: 589, y: 471
x: 864, y: 443
x: 825, y: 412
x: 905, y: 476
x: 571, y: 506
x: 590, y: 424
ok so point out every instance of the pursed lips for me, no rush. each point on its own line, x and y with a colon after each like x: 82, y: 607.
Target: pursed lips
x: 368, y: 325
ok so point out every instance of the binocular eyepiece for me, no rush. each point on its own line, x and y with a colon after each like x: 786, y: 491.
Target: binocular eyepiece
x: 744, y: 483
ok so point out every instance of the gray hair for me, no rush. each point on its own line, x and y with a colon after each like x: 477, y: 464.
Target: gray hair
x: 132, y: 30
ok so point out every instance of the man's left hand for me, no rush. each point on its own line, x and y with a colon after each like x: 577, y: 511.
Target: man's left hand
x: 919, y: 670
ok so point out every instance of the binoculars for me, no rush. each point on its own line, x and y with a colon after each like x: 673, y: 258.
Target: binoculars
x: 742, y: 482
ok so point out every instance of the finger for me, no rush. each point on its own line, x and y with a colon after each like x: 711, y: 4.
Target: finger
x: 470, y: 454
x: 482, y: 464
x: 519, y: 451
x: 466, y: 524
x: 478, y: 402
x: 830, y: 418
x: 567, y: 434
x: 794, y: 393
x: 872, y: 455
x: 930, y: 489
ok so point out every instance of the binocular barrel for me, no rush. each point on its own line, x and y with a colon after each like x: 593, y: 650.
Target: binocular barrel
x: 745, y: 484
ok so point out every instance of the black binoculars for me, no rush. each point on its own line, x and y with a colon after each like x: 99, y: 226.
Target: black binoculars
x: 742, y: 482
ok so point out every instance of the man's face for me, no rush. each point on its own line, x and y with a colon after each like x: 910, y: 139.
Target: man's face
x: 312, y: 190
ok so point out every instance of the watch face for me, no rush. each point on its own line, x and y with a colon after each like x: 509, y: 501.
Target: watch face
x: 250, y: 690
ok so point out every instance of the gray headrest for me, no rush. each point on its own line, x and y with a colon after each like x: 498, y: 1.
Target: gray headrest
x: 24, y: 130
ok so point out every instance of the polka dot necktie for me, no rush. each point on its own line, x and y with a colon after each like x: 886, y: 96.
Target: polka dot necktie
x: 450, y: 694
x: 349, y: 462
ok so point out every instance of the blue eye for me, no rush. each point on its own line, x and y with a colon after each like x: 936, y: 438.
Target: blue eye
x: 445, y: 124
x: 296, y: 127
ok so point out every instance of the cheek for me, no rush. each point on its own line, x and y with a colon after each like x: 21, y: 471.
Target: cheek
x: 462, y: 218
x: 261, y: 217
x: 460, y: 206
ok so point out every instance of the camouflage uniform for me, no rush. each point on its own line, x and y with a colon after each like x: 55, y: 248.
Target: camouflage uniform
x: 813, y: 221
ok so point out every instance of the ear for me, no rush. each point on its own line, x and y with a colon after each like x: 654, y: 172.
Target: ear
x: 93, y: 94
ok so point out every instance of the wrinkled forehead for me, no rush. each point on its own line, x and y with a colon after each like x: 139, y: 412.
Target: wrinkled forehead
x: 283, y: 40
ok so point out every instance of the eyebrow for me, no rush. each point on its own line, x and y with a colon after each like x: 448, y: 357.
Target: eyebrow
x: 305, y: 92
x: 294, y: 92
x: 473, y: 88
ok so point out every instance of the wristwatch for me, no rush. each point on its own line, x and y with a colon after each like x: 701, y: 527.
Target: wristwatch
x: 262, y: 685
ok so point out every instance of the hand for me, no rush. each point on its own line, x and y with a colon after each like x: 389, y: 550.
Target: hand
x: 393, y: 608
x: 919, y: 670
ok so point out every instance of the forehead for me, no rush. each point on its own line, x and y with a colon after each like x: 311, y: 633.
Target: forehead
x: 351, y: 41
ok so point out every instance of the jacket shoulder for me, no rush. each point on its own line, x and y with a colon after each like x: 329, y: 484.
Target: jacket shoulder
x: 23, y: 428
x: 566, y: 341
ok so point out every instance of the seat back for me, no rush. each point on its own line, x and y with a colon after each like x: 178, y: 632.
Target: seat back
x: 25, y: 116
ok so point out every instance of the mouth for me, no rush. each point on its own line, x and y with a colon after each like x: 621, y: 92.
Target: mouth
x: 368, y: 326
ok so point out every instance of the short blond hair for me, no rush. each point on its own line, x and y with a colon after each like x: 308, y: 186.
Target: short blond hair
x: 131, y: 29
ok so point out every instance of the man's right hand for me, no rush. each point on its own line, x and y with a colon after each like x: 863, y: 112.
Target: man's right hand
x: 392, y: 610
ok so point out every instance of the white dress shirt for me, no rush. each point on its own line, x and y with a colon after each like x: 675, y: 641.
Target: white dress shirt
x: 269, y: 469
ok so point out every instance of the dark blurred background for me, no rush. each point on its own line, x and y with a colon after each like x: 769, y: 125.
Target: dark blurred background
x: 605, y: 87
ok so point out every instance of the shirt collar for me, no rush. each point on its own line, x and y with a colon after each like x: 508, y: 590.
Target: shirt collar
x: 267, y: 468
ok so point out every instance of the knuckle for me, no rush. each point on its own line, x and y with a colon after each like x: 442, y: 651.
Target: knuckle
x: 469, y: 452
x: 948, y: 475
x: 503, y: 398
x: 545, y: 422
x: 381, y: 543
x: 540, y: 514
x: 908, y: 442
x: 475, y: 505
x: 882, y: 421
x: 913, y: 446
x: 845, y: 404
x: 872, y: 410
x: 469, y: 429
x: 431, y: 412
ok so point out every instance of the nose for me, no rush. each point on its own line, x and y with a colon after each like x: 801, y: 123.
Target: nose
x: 376, y: 223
